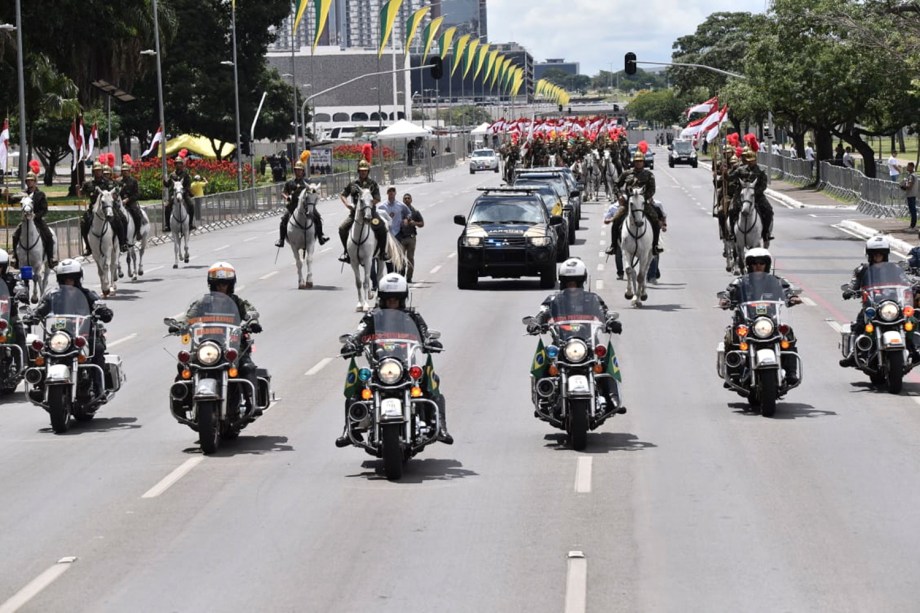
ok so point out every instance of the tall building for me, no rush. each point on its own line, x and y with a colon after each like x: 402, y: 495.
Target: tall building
x: 540, y: 68
x: 468, y: 15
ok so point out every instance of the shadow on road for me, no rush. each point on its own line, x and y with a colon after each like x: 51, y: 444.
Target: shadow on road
x: 665, y: 308
x: 784, y: 410
x: 419, y: 471
x: 246, y: 445
x: 601, y: 442
x: 321, y: 288
x: 99, y: 424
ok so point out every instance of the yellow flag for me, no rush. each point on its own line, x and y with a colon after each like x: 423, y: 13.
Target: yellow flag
x: 430, y: 32
x: 301, y: 6
x: 446, y: 39
x: 459, y: 48
x: 412, y: 25
x: 490, y: 64
x: 470, y: 54
x: 388, y: 12
x: 480, y: 59
x: 321, y: 15
x: 496, y: 68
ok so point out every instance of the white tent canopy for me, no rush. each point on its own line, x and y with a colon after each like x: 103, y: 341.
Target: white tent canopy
x: 404, y: 129
x: 481, y: 130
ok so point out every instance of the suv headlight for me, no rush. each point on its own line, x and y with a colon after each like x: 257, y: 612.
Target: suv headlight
x: 208, y: 354
x: 472, y: 241
x: 763, y: 327
x: 539, y: 241
x: 59, y: 342
x: 390, y: 371
x: 575, y: 350
x: 889, y: 311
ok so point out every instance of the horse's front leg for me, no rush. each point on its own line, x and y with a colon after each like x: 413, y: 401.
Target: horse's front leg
x: 176, y: 249
x: 308, y: 256
x: 358, y: 283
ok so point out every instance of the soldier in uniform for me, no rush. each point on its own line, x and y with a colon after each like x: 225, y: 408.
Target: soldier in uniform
x: 749, y: 171
x: 638, y: 176
x: 180, y: 174
x: 130, y: 194
x: 349, y: 198
x: 39, y: 209
x: 119, y: 221
x: 89, y: 189
x: 291, y: 193
x: 724, y: 188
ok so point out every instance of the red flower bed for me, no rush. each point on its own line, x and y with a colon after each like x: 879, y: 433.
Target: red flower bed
x: 353, y: 152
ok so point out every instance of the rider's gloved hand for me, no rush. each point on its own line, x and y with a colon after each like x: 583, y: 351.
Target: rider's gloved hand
x: 848, y: 293
x: 255, y: 327
x: 349, y: 348
x: 615, y: 327
x: 435, y: 345
x: 533, y: 328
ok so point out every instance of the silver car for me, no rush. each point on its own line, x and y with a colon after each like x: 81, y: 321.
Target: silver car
x: 483, y: 159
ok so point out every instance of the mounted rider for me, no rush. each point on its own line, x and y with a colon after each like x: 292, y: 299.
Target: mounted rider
x: 119, y: 220
x: 641, y: 177
x: 91, y: 189
x: 291, y: 193
x: 130, y: 195
x: 724, y: 188
x: 393, y: 294
x: 750, y: 172
x: 39, y: 210
x: 180, y: 174
x: 759, y: 260
x: 352, y: 193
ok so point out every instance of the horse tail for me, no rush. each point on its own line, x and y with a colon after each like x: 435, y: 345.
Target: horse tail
x: 396, y: 253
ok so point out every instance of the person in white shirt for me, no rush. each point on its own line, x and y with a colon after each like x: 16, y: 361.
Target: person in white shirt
x: 810, y: 152
x: 894, y: 169
x: 612, y: 250
x: 848, y: 158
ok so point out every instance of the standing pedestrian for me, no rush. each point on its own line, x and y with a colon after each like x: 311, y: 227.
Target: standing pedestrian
x: 810, y: 156
x: 614, y: 240
x: 397, y: 213
x: 911, y: 186
x: 407, y: 235
x: 838, y: 155
x: 848, y: 158
x: 894, y: 169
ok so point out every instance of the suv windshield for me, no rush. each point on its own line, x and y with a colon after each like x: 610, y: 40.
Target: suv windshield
x: 555, y: 180
x: 483, y: 153
x: 683, y: 147
x: 507, y: 209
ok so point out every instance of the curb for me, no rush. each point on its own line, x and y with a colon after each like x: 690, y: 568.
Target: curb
x: 783, y: 199
x: 866, y: 232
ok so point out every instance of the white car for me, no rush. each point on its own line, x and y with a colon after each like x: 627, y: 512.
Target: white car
x: 483, y: 159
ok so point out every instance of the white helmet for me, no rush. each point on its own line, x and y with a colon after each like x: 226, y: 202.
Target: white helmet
x: 69, y: 269
x: 222, y: 272
x: 877, y: 244
x: 573, y: 269
x: 393, y: 285
x: 758, y: 255
x: 4, y: 258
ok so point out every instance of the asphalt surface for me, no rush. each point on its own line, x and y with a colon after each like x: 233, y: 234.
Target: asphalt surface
x: 686, y: 503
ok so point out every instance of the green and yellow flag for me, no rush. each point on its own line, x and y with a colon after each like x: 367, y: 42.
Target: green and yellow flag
x: 351, y: 380
x: 470, y: 54
x: 388, y: 12
x: 613, y: 366
x: 444, y: 42
x: 321, y: 16
x: 490, y: 64
x: 412, y: 25
x: 431, y: 381
x: 496, y: 67
x: 299, y: 7
x: 480, y: 59
x: 540, y: 362
x: 430, y: 31
x: 459, y: 48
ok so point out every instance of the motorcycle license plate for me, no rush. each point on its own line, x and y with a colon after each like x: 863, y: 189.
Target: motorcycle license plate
x: 391, y: 408
x: 578, y: 384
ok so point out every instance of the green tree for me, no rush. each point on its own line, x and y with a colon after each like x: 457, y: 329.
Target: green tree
x: 467, y: 115
x: 659, y: 106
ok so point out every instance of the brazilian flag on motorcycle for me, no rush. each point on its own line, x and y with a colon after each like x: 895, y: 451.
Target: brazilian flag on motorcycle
x: 540, y: 363
x: 430, y: 381
x: 351, y: 380
x: 613, y: 366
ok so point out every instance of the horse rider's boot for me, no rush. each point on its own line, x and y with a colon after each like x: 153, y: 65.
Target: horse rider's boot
x: 850, y: 360
x: 443, y: 435
x: 167, y: 215
x: 138, y: 221
x: 282, y: 232
x: 343, y: 235
x: 656, y: 231
x: 382, y: 253
x: 318, y: 222
x: 191, y: 217
x: 344, y: 440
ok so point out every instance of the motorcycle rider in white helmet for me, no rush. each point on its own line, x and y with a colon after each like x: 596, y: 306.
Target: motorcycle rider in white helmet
x: 393, y: 293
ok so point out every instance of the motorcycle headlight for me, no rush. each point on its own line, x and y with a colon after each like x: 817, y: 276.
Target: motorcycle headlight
x: 763, y: 327
x: 472, y: 241
x: 390, y: 371
x: 59, y: 342
x: 539, y: 241
x: 208, y: 354
x: 889, y: 311
x: 575, y: 350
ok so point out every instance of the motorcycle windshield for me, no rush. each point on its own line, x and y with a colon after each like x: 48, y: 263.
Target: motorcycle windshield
x: 215, y: 317
x: 395, y: 335
x: 574, y: 313
x: 761, y: 295
x: 886, y: 281
x: 69, y: 312
x: 5, y: 302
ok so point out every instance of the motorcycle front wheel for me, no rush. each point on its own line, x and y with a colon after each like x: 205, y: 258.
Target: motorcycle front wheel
x: 768, y: 393
x: 895, y: 372
x: 392, y: 452
x: 208, y: 426
x: 59, y: 408
x: 577, y: 420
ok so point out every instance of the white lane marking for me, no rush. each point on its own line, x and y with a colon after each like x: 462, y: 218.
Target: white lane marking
x: 599, y: 284
x: 583, y: 475
x: 324, y: 250
x: 576, y: 583
x: 847, y: 231
x: 194, y: 257
x: 123, y: 339
x: 251, y: 238
x: 452, y: 255
x: 268, y: 276
x: 32, y: 589
x: 240, y: 288
x: 319, y: 366
x: 601, y: 253
x: 603, y: 242
x: 222, y: 248
x: 916, y: 399
x: 600, y: 267
x: 154, y: 268
x: 808, y: 301
x: 812, y: 215
x: 435, y: 270
x: 170, y: 479
x: 837, y: 327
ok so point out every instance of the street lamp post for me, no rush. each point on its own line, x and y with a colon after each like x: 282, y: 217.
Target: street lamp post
x: 156, y: 52
x: 236, y: 96
x: 22, y: 97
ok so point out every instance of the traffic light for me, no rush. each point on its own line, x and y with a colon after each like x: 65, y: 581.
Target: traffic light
x: 560, y: 108
x: 245, y: 149
x: 437, y: 67
x: 630, y: 63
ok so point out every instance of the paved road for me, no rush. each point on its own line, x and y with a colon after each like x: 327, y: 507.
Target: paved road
x: 687, y: 503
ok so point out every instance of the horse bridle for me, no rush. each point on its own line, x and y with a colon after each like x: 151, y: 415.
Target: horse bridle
x: 30, y: 216
x: 105, y: 218
x: 178, y: 203
x: 359, y: 209
x: 741, y: 214
x: 308, y: 202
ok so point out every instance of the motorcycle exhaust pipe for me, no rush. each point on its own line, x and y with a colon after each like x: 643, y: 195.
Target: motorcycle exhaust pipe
x: 357, y: 412
x: 34, y: 375
x: 734, y: 359
x: 863, y: 342
x: 546, y: 387
x: 178, y: 391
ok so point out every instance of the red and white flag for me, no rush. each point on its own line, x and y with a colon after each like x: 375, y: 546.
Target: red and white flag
x: 693, y: 128
x: 705, y: 107
x: 93, y: 137
x: 157, y: 138
x: 4, y: 145
x: 713, y: 131
x: 75, y: 142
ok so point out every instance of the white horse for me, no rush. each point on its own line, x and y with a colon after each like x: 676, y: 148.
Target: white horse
x: 608, y: 174
x: 591, y: 171
x: 30, y: 250
x: 748, y: 227
x: 636, y: 246
x: 301, y: 233
x: 551, y: 159
x: 102, y: 240
x: 179, y: 224
x: 361, y: 247
x: 135, y: 256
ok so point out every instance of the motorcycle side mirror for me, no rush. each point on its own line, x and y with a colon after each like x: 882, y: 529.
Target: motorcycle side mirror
x: 844, y: 287
x: 434, y: 334
x: 344, y: 338
x: 613, y: 316
x: 796, y: 292
x: 169, y: 321
x: 723, y: 295
x: 527, y: 320
x: 252, y: 315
